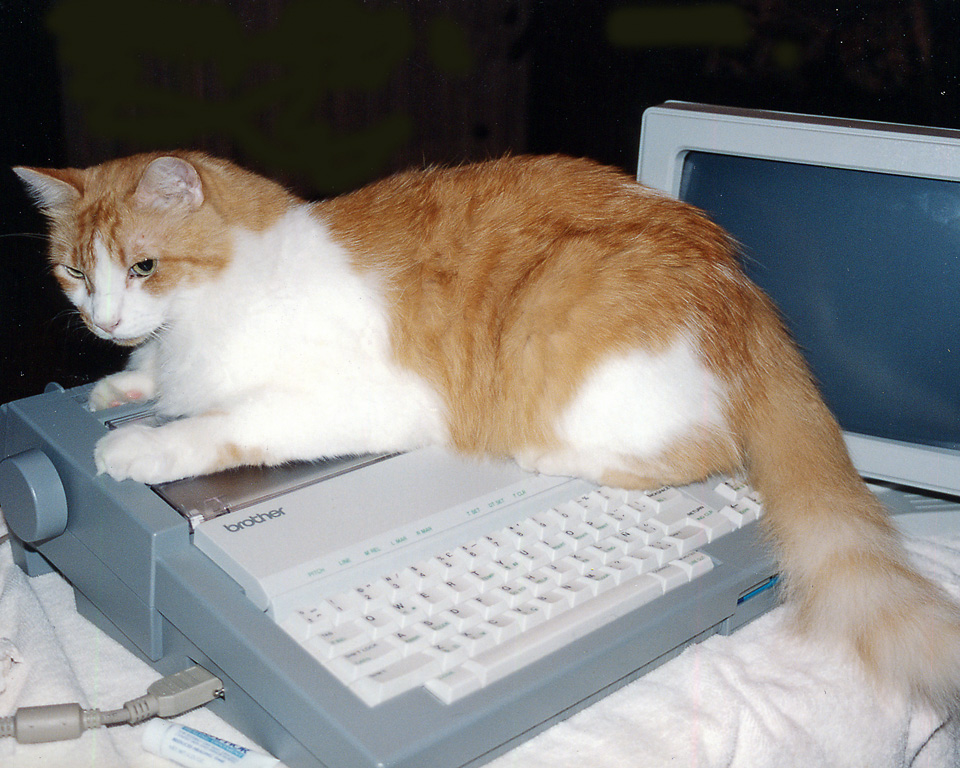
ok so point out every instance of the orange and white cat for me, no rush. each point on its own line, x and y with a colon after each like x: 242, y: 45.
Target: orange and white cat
x: 546, y: 309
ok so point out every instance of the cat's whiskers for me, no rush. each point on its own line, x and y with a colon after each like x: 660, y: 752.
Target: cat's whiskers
x: 73, y: 321
x: 157, y: 332
x: 29, y: 235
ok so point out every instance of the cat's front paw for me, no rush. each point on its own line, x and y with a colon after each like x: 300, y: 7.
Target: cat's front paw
x: 120, y: 388
x: 144, y: 454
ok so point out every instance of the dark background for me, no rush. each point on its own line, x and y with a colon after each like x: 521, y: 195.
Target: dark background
x: 328, y: 94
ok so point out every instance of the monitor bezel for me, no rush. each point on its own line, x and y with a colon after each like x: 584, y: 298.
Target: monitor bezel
x: 673, y: 129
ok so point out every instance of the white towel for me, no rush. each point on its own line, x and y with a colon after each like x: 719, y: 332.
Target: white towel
x: 762, y: 697
x: 49, y: 654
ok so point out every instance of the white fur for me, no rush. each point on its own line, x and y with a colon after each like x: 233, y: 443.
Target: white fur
x: 288, y: 352
x: 106, y: 301
x: 115, y: 301
x: 289, y: 348
x: 137, y: 382
x: 634, y: 404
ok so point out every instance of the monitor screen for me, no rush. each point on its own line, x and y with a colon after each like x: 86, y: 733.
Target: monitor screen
x: 865, y: 268
x: 862, y: 257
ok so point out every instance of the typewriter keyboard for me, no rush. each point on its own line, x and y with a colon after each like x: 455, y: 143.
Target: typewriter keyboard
x: 473, y: 614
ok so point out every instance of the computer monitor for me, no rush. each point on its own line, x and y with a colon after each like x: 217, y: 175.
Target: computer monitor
x: 853, y: 228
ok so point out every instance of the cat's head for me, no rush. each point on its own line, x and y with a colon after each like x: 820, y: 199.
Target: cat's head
x: 126, y: 235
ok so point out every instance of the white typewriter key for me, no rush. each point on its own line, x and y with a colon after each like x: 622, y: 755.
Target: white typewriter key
x: 477, y: 639
x: 670, y: 576
x: 436, y: 596
x: 740, y: 513
x: 636, y: 511
x: 529, y: 615
x: 301, y: 624
x: 408, y: 640
x: 695, y: 564
x: 664, y: 551
x: 454, y: 685
x: 515, y: 593
x: 662, y: 499
x: 337, y: 641
x: 712, y: 522
x: 366, y: 660
x: 503, y: 626
x: 624, y: 568
x: 732, y: 489
x: 556, y: 602
x: 611, y: 498
x: 539, y: 581
x: 602, y: 579
x: 399, y: 677
x: 580, y: 590
x: 463, y: 587
x: 687, y: 539
x: 451, y: 652
x: 407, y: 611
x: 463, y: 616
x: 646, y: 559
x: 344, y: 607
x: 437, y: 628
x: 379, y: 623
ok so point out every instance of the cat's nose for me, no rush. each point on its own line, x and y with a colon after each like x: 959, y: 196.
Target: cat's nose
x: 109, y: 325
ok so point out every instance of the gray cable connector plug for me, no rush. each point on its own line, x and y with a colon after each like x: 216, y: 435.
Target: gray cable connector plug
x: 170, y: 696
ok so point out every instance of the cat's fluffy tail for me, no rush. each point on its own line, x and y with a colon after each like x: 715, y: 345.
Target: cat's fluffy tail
x: 847, y: 575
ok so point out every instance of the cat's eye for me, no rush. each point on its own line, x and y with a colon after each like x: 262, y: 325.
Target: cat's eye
x: 144, y: 268
x: 73, y: 272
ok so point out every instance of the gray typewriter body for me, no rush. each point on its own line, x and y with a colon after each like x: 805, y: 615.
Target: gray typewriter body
x: 129, y: 554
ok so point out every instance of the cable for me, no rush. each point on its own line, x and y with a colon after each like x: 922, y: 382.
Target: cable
x: 170, y: 696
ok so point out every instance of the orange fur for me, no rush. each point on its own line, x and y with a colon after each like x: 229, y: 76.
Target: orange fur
x: 509, y: 282
x: 189, y: 248
x: 512, y: 279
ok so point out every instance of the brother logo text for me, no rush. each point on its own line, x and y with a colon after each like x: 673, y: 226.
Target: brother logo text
x: 260, y: 517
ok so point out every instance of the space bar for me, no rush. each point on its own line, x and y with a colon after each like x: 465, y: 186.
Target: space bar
x: 539, y: 641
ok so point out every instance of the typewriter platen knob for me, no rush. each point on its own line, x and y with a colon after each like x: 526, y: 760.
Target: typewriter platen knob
x: 31, y: 497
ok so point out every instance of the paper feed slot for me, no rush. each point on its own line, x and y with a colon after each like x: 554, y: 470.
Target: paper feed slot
x: 209, y: 496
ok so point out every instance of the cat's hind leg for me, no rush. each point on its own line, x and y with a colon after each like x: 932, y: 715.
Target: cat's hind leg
x: 642, y: 419
x: 598, y: 466
x: 687, y: 460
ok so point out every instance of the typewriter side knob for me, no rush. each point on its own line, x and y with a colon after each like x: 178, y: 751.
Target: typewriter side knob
x: 32, y: 497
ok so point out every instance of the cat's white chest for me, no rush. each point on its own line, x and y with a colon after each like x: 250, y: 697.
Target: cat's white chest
x: 292, y: 318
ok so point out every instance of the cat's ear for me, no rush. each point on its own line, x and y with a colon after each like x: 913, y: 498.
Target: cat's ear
x: 169, y: 182
x: 52, y: 190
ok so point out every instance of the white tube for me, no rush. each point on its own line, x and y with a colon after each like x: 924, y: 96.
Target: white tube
x: 196, y: 749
